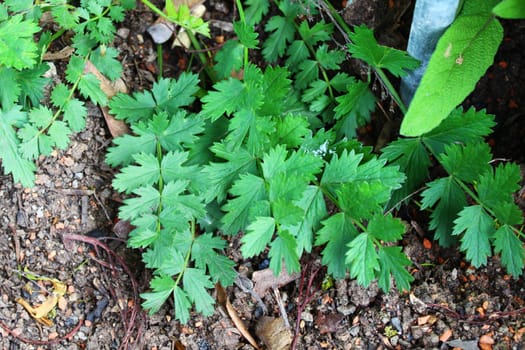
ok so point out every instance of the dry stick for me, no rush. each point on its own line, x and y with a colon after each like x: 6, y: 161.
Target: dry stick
x: 134, y: 312
x: 303, y: 301
x: 41, y: 342
x: 474, y: 319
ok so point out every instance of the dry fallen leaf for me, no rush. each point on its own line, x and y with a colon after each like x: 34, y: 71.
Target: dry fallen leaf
x: 266, y: 279
x: 40, y: 312
x: 273, y: 333
x: 223, y: 300
x: 445, y: 336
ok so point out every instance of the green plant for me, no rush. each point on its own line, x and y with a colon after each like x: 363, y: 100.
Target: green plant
x: 270, y: 154
x: 29, y: 128
x: 461, y: 57
x: 263, y: 157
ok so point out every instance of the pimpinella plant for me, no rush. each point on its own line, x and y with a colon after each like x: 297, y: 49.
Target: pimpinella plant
x: 245, y: 163
x: 255, y: 159
x: 474, y: 203
x: 29, y: 128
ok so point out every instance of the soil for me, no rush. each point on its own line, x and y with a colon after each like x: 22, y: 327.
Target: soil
x: 54, y: 235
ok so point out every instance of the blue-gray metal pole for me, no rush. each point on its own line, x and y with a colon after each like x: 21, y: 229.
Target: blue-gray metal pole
x: 431, y: 18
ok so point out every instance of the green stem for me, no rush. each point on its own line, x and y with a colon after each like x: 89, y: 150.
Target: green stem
x: 160, y: 61
x: 242, y: 17
x: 390, y: 88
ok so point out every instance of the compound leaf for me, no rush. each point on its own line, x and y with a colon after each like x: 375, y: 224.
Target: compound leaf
x: 393, y: 262
x: 477, y: 228
x: 511, y: 249
x: 363, y: 259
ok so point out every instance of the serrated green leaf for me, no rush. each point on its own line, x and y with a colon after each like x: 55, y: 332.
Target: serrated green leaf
x: 10, y: 88
x: 32, y: 83
x: 12, y: 162
x: 314, y: 210
x: 171, y: 94
x: 284, y: 248
x: 64, y: 18
x: 162, y: 287
x: 147, y: 200
x: 59, y: 133
x: 258, y: 235
x: 393, y: 262
x: 74, y: 69
x: 195, y: 284
x: 205, y: 256
x: 508, y: 213
x: 329, y: 59
x: 229, y: 58
x: 308, y: 72
x: 363, y: 259
x: 248, y: 190
x: 297, y: 52
x: 255, y: 10
x: 476, y: 228
x: 127, y: 145
x: 226, y: 98
x: 320, y: 32
x: 450, y: 200
x: 365, y: 47
x: 282, y: 32
x: 413, y: 160
x: 461, y: 57
x: 386, y: 228
x: 247, y: 34
x: 465, y: 127
x: 131, y: 177
x: 276, y: 86
x: 107, y: 62
x: 497, y: 185
x: 132, y: 108
x: 511, y: 249
x: 362, y: 199
x: 18, y: 49
x: 89, y: 87
x: 222, y: 175
x: 337, y: 231
x: 182, y: 305
x: 467, y: 162
x: 353, y: 109
x: 291, y: 130
x: 75, y: 113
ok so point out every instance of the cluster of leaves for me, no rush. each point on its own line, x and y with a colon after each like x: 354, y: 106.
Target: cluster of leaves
x: 263, y: 157
x: 28, y: 128
x: 248, y: 162
x: 270, y: 150
x: 490, y: 219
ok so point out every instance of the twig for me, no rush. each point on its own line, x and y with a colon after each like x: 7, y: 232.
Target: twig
x: 475, y: 319
x: 281, y: 307
x: 303, y: 300
x: 42, y: 342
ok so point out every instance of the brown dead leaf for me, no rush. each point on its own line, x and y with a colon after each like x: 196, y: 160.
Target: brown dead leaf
x: 426, y: 320
x: 266, y: 279
x: 486, y: 341
x: 116, y: 127
x: 445, y: 336
x: 273, y: 333
x: 223, y: 300
x: 330, y: 323
x: 66, y: 52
